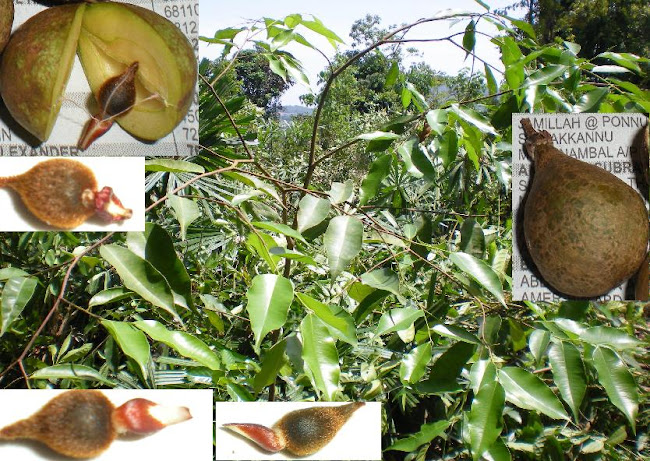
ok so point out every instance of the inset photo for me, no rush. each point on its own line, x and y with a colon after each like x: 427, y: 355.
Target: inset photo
x: 298, y: 430
x: 106, y: 425
x: 75, y: 194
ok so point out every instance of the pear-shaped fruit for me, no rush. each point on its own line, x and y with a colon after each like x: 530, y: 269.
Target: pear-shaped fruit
x: 109, y: 38
x: 585, y: 229
x: 301, y: 432
x: 6, y: 21
x: 83, y: 423
x: 63, y: 193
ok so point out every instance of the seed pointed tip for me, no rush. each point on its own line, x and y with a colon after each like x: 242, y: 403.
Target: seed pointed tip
x: 142, y: 416
x: 94, y: 129
x: 109, y: 207
x: 263, y: 436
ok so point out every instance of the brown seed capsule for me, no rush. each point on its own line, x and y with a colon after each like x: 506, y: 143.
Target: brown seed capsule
x: 63, y: 193
x: 300, y: 432
x: 6, y: 21
x: 116, y: 97
x: 83, y: 423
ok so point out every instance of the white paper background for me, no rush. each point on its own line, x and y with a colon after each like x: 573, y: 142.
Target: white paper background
x: 573, y: 134
x: 358, y: 439
x: 182, y: 141
x: 124, y: 174
x: 190, y: 439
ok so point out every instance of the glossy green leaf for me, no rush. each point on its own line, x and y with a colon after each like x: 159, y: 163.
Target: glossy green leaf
x: 9, y: 272
x: 133, y: 343
x: 262, y: 243
x: 280, y: 229
x: 341, y: 191
x: 320, y: 356
x: 497, y: 452
x: 15, y: 295
x: 140, y: 276
x: 186, y: 212
x: 371, y: 184
x: 269, y: 298
x: 568, y: 374
x: 456, y: 332
x: 437, y: 120
x: 71, y: 371
x: 469, y: 38
x: 446, y: 370
x: 397, y: 319
x: 393, y: 73
x: 618, y: 382
x: 481, y: 272
x: 527, y: 391
x: 172, y: 166
x: 426, y: 434
x: 474, y: 118
x: 538, y: 342
x: 472, y: 239
x: 183, y: 343
x: 485, y: 421
x: 342, y: 241
x: 414, y: 364
x: 339, y: 321
x: 590, y: 101
x: 271, y: 364
x: 312, y: 211
x: 382, y: 279
x: 608, y: 336
x: 627, y: 60
x: 157, y: 247
x: 110, y: 295
x: 315, y: 25
x: 293, y: 255
x: 545, y: 75
x: 482, y: 371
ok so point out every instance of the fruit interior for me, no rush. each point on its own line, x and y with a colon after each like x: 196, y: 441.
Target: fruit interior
x: 111, y: 39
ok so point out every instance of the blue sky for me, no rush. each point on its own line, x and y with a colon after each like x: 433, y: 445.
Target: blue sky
x: 339, y: 15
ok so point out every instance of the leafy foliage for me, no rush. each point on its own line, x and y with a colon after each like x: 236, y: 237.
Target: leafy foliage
x: 287, y: 280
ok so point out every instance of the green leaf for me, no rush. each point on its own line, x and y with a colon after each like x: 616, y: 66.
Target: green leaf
x: 482, y: 372
x: 320, y: 356
x: 172, y: 166
x: 140, y: 276
x: 317, y: 26
x: 497, y: 452
x: 157, y: 247
x: 474, y: 118
x: 397, y: 319
x: 568, y: 374
x: 457, y: 333
x: 10, y: 272
x: 393, y: 73
x: 262, y: 243
x: 269, y: 298
x: 437, y: 120
x: 185, y: 344
x: 378, y: 136
x: 485, y: 421
x: 382, y: 279
x: 110, y: 295
x: 312, y: 211
x: 590, y: 101
x: 15, y: 295
x: 618, y: 382
x: 469, y: 38
x: 339, y: 321
x: 538, y: 342
x: 525, y: 27
x: 545, y: 75
x: 414, y: 364
x: 342, y: 241
x: 133, y: 343
x: 472, y: 239
x: 627, y: 60
x: 492, y: 85
x: 372, y: 182
x: 444, y: 374
x: 426, y: 434
x: 186, y: 212
x: 271, y: 365
x: 608, y: 336
x: 610, y: 70
x: 71, y: 371
x: 480, y: 272
x: 406, y: 97
x: 527, y: 391
x: 280, y: 229
x: 293, y: 254
x: 341, y: 191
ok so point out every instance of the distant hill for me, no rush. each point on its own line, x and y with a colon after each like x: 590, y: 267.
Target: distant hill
x: 289, y: 111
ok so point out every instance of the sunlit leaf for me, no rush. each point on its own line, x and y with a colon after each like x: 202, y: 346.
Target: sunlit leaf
x: 15, y: 295
x: 71, y: 371
x: 342, y: 241
x: 186, y: 212
x: 312, y: 211
x: 320, y: 356
x: 480, y: 272
x: 397, y: 319
x: 426, y: 434
x: 485, y: 422
x: 371, y: 183
x: 414, y: 363
x: 269, y: 298
x: 568, y: 373
x: 133, y: 343
x: 527, y: 391
x: 339, y: 322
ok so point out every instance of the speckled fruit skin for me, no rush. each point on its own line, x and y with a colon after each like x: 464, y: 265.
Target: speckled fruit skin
x: 6, y: 21
x: 76, y: 424
x: 585, y: 229
x: 32, y: 63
